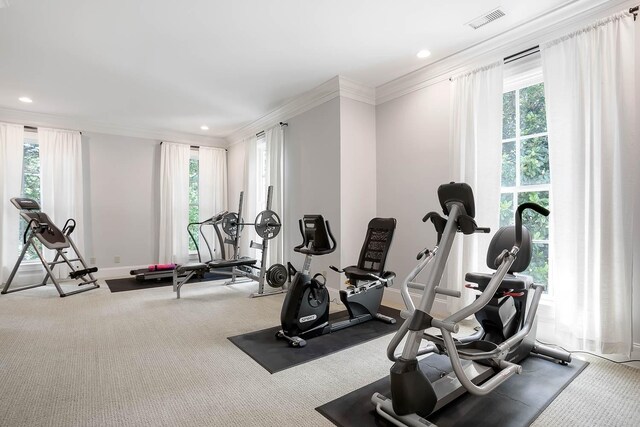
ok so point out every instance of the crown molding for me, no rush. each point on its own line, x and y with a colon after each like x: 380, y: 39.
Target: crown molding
x: 294, y: 106
x: 545, y: 27
x: 332, y: 88
x: 29, y: 118
x: 356, y: 90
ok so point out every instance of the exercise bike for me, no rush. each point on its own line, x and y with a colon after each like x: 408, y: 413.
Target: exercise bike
x: 305, y: 311
x: 505, y: 308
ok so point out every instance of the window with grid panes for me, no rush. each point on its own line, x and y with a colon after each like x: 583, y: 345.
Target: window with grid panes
x: 194, y: 194
x: 525, y: 169
x: 30, y: 186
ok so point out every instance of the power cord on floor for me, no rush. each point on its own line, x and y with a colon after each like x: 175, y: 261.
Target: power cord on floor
x: 590, y: 353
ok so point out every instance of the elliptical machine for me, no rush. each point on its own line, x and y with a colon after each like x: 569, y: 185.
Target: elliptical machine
x: 505, y: 308
x: 305, y: 311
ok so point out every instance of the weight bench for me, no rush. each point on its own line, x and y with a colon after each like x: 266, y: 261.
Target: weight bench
x: 41, y: 228
x: 183, y: 273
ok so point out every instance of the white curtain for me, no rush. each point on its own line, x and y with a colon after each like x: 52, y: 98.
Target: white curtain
x: 212, y: 192
x: 249, y: 211
x: 174, y: 203
x: 11, y: 153
x: 589, y: 88
x: 62, y: 183
x: 275, y: 150
x: 476, y: 153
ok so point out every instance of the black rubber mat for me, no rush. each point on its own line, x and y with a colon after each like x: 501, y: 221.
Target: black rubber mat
x: 131, y: 284
x: 276, y: 355
x: 517, y: 402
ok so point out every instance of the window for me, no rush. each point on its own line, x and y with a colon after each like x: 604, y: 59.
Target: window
x: 525, y: 168
x: 194, y: 194
x: 30, y: 185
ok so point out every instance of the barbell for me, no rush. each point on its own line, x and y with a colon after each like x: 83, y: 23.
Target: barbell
x: 267, y: 224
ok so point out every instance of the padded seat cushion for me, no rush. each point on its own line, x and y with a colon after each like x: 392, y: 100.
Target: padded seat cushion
x: 353, y: 272
x: 190, y: 267
x: 222, y: 263
x: 517, y: 283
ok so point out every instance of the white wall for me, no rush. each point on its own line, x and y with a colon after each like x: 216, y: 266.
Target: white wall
x: 121, y: 199
x: 312, y: 180
x: 412, y: 161
x: 358, y: 190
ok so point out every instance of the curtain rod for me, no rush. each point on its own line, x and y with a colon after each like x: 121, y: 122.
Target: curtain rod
x: 536, y: 49
x: 261, y: 133
x: 517, y: 56
x: 522, y: 54
x: 196, y: 146
x: 34, y: 129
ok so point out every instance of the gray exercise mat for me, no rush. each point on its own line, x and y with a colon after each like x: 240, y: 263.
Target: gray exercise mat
x: 516, y: 403
x: 276, y: 355
x: 132, y: 284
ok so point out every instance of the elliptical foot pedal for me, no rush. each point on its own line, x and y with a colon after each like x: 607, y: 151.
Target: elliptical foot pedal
x: 385, y: 319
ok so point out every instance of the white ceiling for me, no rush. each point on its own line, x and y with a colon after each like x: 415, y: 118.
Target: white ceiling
x: 177, y: 64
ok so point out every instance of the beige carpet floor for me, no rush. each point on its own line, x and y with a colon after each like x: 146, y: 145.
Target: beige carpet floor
x: 143, y: 358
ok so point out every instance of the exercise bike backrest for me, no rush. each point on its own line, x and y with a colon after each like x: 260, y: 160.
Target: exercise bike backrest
x: 317, y: 238
x: 373, y: 254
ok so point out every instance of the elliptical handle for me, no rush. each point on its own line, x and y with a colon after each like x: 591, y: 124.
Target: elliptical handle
x: 304, y: 237
x: 333, y: 240
x: 438, y: 222
x: 529, y: 205
x: 428, y: 216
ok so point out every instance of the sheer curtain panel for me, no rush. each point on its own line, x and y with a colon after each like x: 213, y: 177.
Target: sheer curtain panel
x: 174, y: 203
x: 62, y: 182
x: 590, y: 89
x: 11, y: 153
x: 275, y: 150
x: 249, y: 210
x: 476, y: 154
x: 212, y: 191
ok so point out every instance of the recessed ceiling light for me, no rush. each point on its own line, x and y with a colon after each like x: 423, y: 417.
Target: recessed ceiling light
x: 423, y: 54
x: 25, y: 99
x: 204, y: 127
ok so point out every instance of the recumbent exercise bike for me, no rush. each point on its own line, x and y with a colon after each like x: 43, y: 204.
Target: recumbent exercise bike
x: 305, y: 312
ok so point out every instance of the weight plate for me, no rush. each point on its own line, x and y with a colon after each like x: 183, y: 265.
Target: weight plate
x: 230, y: 224
x: 277, y: 275
x: 267, y: 224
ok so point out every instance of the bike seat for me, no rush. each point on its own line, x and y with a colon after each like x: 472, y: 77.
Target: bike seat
x: 353, y: 272
x: 516, y: 283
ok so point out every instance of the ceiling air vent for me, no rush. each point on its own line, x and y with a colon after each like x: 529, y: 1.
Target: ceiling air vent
x: 486, y: 18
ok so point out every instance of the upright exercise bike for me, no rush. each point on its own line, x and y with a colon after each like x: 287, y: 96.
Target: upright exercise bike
x: 305, y: 312
x: 505, y: 308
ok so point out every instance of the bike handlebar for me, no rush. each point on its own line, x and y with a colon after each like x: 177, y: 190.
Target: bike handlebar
x: 529, y: 205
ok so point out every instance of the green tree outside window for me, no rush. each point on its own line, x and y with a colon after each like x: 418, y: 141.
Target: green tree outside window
x: 526, y: 175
